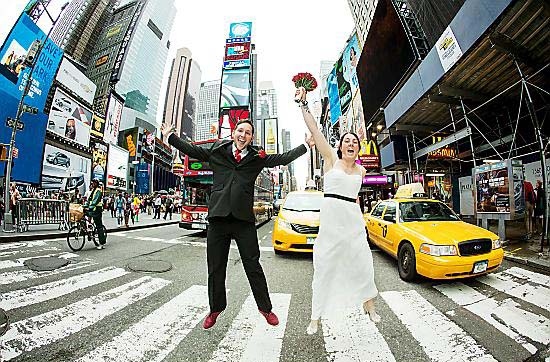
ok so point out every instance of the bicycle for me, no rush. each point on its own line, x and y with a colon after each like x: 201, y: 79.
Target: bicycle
x: 85, y: 228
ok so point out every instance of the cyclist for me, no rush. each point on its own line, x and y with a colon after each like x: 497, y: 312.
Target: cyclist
x: 94, y: 207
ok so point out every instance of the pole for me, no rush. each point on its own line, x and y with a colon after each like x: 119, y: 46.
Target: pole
x: 474, y: 181
x: 152, y: 187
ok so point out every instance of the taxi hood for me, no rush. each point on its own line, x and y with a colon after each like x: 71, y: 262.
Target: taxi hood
x: 310, y: 218
x: 446, y: 232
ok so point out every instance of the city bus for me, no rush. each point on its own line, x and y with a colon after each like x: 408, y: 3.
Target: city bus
x: 196, y: 187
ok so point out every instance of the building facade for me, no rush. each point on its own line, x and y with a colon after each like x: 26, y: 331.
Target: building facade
x: 362, y: 12
x: 208, y: 110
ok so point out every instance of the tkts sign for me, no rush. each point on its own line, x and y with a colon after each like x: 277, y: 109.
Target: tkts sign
x: 368, y: 155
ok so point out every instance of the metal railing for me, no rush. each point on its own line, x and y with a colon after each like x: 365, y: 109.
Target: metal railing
x: 41, y: 212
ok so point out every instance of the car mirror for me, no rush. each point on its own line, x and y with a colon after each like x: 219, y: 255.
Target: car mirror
x: 390, y: 218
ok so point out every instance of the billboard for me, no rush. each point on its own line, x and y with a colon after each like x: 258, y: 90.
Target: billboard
x: 369, y: 155
x: 271, y: 140
x: 99, y: 160
x: 240, y: 30
x: 237, y: 50
x: 13, y: 79
x: 75, y: 80
x: 129, y: 141
x: 142, y: 178
x: 98, y: 127
x: 386, y: 57
x: 116, y: 168
x: 69, y: 119
x: 65, y: 171
x: 493, y: 188
x: 235, y: 88
x: 228, y: 120
x: 344, y: 87
x: 112, y: 121
x: 350, y: 58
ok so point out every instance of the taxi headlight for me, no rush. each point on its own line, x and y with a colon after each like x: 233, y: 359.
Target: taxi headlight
x: 438, y: 250
x: 497, y: 244
x: 283, y: 224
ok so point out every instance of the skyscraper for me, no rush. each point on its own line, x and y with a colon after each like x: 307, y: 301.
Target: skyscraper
x: 208, y: 110
x: 182, y: 93
x: 79, y: 27
x: 362, y: 12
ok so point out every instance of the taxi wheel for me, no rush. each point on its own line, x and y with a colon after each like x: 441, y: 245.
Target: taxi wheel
x: 406, y: 263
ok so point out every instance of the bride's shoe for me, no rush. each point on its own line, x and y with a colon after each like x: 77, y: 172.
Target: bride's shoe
x: 312, y: 327
x: 372, y: 313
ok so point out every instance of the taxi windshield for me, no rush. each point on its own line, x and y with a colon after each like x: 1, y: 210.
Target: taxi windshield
x: 425, y: 211
x: 303, y: 202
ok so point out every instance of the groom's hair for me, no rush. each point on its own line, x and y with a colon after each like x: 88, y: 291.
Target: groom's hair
x: 339, y: 151
x: 245, y: 120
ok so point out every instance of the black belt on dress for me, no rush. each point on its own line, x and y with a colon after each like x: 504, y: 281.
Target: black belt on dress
x: 340, y: 197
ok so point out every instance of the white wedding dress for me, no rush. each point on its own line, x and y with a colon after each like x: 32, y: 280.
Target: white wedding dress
x: 343, y: 271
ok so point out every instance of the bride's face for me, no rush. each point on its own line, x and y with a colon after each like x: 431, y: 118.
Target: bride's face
x: 349, y: 147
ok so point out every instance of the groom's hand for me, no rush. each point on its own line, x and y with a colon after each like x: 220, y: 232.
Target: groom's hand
x: 166, y: 130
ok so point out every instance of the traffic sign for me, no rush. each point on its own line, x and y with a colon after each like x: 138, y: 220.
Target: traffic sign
x: 10, y: 122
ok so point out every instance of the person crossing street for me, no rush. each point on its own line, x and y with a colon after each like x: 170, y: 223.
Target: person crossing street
x: 94, y: 207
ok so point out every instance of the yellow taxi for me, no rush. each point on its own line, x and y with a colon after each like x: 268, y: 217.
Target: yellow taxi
x: 297, y: 222
x: 427, y: 238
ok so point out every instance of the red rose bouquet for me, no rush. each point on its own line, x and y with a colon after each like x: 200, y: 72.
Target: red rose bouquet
x: 261, y: 153
x: 305, y: 80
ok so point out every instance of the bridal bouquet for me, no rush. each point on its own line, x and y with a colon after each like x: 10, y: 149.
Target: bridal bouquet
x: 305, y: 80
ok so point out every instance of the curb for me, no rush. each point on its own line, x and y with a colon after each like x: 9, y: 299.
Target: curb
x: 57, y: 234
x: 529, y: 262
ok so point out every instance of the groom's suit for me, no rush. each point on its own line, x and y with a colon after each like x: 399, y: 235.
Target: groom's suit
x: 230, y: 214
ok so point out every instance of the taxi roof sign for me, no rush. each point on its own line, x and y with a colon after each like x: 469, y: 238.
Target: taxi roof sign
x: 410, y: 191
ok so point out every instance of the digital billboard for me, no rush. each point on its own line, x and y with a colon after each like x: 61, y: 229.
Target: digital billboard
x: 344, y: 87
x: 235, y: 88
x: 142, y: 178
x: 386, y: 57
x: 129, y: 141
x: 65, y: 171
x: 117, y: 168
x: 493, y: 188
x: 112, y: 120
x: 69, y: 119
x: 99, y: 160
x: 271, y: 140
x: 228, y: 120
x: 75, y: 80
x: 13, y: 79
x: 237, y: 50
x: 98, y: 127
x: 333, y: 97
x: 240, y: 30
x: 350, y: 58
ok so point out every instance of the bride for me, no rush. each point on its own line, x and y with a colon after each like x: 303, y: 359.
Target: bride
x: 342, y: 261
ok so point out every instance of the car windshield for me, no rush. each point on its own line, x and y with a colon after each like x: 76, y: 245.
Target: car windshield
x: 426, y: 211
x: 303, y: 202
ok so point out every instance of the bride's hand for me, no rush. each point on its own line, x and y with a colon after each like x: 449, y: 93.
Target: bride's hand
x: 300, y: 95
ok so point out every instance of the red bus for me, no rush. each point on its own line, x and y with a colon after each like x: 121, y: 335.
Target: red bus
x: 197, y: 184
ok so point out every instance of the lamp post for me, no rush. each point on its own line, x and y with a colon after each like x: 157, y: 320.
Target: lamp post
x: 22, y: 108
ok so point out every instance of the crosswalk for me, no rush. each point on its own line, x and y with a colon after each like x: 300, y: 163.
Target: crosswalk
x: 53, y: 306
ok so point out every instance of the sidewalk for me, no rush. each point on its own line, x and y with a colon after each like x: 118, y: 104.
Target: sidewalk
x: 43, y: 232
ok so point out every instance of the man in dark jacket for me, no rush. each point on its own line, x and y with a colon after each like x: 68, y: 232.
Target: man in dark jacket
x: 236, y: 165
x: 94, y: 206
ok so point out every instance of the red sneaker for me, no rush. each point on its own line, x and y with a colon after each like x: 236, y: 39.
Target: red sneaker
x: 210, y: 320
x: 270, y: 317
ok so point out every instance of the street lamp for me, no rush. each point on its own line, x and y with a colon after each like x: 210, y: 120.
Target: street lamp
x: 32, y: 56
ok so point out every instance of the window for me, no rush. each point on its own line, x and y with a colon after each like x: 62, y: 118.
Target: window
x: 390, y: 210
x: 377, y: 212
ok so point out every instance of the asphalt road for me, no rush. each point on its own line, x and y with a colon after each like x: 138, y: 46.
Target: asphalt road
x: 98, y: 308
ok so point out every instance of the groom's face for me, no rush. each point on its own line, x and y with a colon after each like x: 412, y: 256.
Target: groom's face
x: 242, y: 135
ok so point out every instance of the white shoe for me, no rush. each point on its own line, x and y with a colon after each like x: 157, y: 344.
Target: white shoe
x: 312, y: 328
x: 374, y: 317
x: 99, y: 247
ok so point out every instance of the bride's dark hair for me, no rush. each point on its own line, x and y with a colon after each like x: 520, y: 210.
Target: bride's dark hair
x: 339, y: 151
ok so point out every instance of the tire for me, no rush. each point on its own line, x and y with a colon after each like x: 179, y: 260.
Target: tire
x: 406, y: 263
x: 76, y: 238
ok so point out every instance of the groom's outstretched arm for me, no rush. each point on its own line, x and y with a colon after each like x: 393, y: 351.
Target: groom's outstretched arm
x: 285, y: 158
x: 189, y: 149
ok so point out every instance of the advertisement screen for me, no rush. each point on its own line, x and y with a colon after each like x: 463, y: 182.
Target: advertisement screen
x: 333, y: 97
x: 129, y: 141
x: 350, y: 58
x: 98, y: 127
x: 99, y: 160
x: 493, y: 189
x: 142, y: 178
x: 116, y: 168
x: 237, y: 50
x: 69, y: 119
x: 112, y: 121
x: 235, y: 88
x: 228, y: 120
x: 240, y: 30
x: 271, y: 140
x: 386, y: 57
x: 76, y: 81
x: 65, y: 171
x: 344, y: 87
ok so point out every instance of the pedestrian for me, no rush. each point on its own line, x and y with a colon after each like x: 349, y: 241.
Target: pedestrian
x: 530, y: 199
x: 235, y: 165
x: 540, y: 206
x: 169, y: 204
x: 127, y: 209
x: 157, y: 205
x: 343, y: 272
x: 14, y: 198
x: 94, y: 207
x: 119, y: 205
x: 136, y: 205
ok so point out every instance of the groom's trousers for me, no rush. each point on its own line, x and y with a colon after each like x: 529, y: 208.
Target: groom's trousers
x: 220, y: 232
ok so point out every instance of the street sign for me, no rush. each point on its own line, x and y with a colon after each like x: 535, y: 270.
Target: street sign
x: 15, y: 152
x: 10, y: 122
x: 29, y: 109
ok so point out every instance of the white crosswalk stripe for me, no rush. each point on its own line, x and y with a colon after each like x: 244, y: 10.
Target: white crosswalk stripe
x: 18, y: 276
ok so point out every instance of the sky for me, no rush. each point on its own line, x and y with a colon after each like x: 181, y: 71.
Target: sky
x: 290, y: 37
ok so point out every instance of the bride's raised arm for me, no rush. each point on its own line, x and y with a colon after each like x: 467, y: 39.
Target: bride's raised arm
x: 320, y: 141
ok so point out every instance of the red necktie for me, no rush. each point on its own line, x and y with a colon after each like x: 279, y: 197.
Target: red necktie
x: 238, y: 155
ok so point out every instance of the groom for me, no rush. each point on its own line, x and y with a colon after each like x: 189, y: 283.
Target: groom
x: 235, y: 164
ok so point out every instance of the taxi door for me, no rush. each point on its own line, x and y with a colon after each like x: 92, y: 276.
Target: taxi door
x: 389, y: 228
x: 373, y: 222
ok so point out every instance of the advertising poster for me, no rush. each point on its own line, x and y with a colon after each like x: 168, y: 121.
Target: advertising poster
x: 493, y: 190
x: 228, y: 120
x: 13, y: 79
x: 333, y: 97
x: 65, y: 171
x: 350, y: 58
x: 368, y: 155
x: 466, y: 195
x: 99, y: 160
x: 344, y: 87
x: 129, y: 141
x: 142, y: 178
x: 69, y: 119
x: 235, y: 88
x: 98, y: 127
x: 240, y: 30
x: 533, y: 174
x: 112, y: 120
x: 75, y: 80
x: 519, y: 196
x: 271, y: 140
x: 448, y: 49
x: 117, y: 166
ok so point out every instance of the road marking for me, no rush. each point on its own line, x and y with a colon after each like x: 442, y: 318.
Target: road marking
x: 40, y: 293
x: 203, y: 245
x: 156, y: 335
x: 534, y: 294
x: 17, y: 276
x: 30, y: 244
x: 351, y: 336
x: 250, y: 338
x: 31, y: 333
x: 505, y: 315
x: 529, y: 275
x: 5, y: 264
x: 440, y: 338
x: 145, y: 238
x: 19, y: 251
